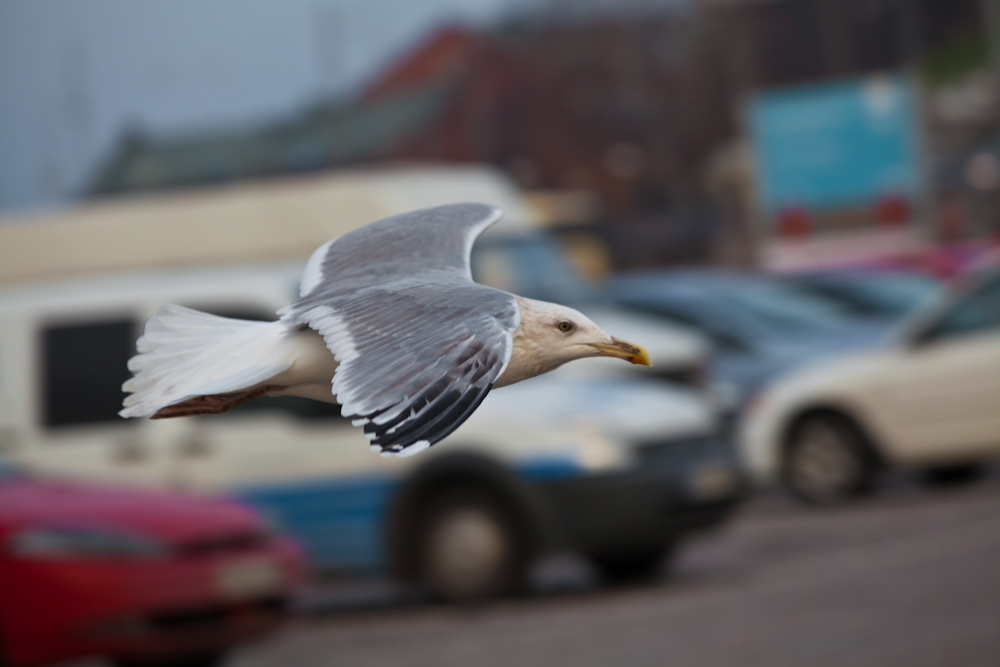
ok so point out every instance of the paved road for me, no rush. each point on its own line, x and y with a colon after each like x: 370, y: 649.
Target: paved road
x: 911, y: 578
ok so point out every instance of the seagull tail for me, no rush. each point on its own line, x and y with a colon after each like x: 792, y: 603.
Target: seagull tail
x: 185, y: 353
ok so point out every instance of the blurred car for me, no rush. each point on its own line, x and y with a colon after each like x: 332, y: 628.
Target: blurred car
x: 136, y: 577
x: 871, y: 293
x: 611, y: 465
x: 929, y: 399
x: 759, y: 327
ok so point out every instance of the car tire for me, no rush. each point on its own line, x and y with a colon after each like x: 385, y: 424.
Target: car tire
x: 470, y: 546
x: 633, y: 564
x: 827, y: 460
x: 209, y: 659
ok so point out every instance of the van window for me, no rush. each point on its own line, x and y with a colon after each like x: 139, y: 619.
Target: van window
x: 83, y: 368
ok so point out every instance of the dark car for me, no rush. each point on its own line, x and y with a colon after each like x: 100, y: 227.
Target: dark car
x: 759, y: 326
x: 871, y: 293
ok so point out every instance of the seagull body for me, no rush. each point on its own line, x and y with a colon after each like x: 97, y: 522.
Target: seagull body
x: 389, y: 324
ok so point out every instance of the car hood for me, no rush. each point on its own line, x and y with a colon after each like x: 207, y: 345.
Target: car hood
x: 775, y: 356
x: 26, y: 501
x: 828, y: 376
x: 810, y: 345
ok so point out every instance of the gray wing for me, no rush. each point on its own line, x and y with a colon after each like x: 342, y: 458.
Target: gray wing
x: 429, y: 242
x: 419, y: 345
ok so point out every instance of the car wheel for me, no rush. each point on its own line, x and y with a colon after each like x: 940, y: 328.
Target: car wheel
x: 633, y: 564
x: 470, y: 547
x: 827, y: 460
x: 210, y: 659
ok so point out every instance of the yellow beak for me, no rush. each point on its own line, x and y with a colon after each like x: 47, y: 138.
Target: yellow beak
x: 622, y: 350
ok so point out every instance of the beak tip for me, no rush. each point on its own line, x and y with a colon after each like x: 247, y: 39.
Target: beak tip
x: 641, y: 358
x: 634, y: 354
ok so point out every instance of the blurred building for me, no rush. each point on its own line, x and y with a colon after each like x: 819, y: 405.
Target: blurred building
x: 782, y: 42
x: 603, y: 107
x: 323, y: 137
x: 944, y: 45
x: 641, y: 110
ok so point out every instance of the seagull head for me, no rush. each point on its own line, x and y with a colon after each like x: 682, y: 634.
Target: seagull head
x: 562, y: 334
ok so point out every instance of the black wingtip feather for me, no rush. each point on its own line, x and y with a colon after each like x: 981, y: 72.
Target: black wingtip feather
x: 465, y: 406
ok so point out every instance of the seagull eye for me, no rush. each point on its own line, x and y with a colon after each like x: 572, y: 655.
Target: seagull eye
x: 565, y: 326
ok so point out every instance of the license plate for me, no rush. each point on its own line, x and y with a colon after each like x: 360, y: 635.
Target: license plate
x: 248, y: 578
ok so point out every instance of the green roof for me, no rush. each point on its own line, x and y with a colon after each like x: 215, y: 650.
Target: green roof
x: 327, y: 136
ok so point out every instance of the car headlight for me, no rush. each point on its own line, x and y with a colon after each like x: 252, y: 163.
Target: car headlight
x: 82, y: 543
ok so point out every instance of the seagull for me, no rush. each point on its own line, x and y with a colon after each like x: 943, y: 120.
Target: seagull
x: 388, y: 323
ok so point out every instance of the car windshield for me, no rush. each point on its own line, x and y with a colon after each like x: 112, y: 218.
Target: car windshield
x: 977, y: 311
x: 888, y: 293
x: 731, y: 327
x: 750, y: 310
x: 729, y: 330
x: 530, y: 265
x: 718, y: 316
x: 775, y: 305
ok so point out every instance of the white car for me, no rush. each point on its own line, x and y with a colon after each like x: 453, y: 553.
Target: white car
x: 929, y: 399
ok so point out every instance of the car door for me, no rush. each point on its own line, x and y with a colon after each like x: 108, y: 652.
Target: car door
x: 940, y: 398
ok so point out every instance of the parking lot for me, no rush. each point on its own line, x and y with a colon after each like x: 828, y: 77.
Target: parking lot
x: 910, y: 577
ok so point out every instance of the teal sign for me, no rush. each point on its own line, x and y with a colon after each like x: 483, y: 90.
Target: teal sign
x: 845, y: 143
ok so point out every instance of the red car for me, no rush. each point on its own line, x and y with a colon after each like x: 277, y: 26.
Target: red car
x: 138, y: 577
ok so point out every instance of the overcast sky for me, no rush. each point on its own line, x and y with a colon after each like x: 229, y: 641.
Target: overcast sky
x: 75, y: 74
